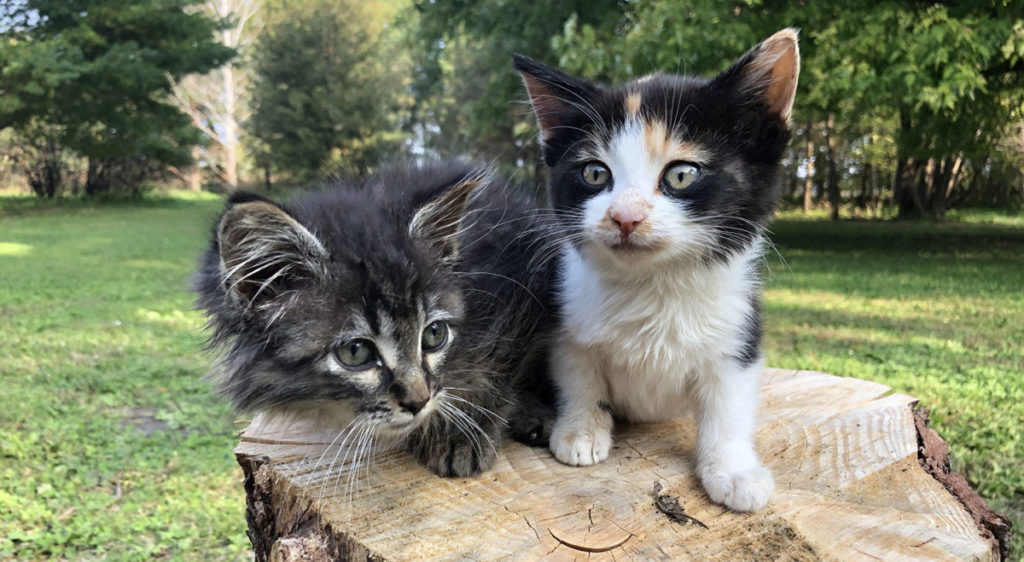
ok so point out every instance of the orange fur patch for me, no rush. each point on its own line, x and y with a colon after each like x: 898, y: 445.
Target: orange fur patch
x: 663, y: 146
x: 633, y: 104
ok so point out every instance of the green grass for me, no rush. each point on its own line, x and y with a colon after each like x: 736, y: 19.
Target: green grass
x: 98, y: 347
x: 112, y: 446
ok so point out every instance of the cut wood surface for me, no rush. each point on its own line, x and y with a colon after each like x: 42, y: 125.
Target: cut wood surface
x: 845, y: 454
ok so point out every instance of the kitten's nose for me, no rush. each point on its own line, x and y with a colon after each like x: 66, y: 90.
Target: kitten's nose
x: 413, y: 407
x: 627, y: 220
x: 412, y: 397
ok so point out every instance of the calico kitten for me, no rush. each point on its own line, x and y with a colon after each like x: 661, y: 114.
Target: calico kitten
x: 663, y: 186
x: 404, y: 307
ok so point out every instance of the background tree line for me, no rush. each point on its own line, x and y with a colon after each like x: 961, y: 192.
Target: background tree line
x: 906, y: 108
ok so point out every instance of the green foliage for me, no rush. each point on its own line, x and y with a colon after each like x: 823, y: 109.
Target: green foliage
x: 465, y: 88
x: 921, y: 96
x: 329, y: 84
x: 98, y: 71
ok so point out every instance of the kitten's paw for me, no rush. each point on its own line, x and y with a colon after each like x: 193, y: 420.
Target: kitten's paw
x: 530, y: 431
x: 580, y: 446
x: 531, y: 423
x: 742, y: 490
x: 457, y: 459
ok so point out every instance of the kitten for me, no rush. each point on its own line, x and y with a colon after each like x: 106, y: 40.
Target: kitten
x: 662, y: 187
x: 403, y: 309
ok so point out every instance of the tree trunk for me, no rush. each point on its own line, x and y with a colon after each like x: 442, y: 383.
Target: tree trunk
x: 230, y: 122
x: 230, y: 131
x: 195, y: 175
x: 833, y: 170
x: 905, y: 190
x: 945, y: 184
x: 43, y: 167
x: 905, y: 182
x: 858, y: 475
x: 809, y: 179
x: 96, y: 179
x: 864, y: 198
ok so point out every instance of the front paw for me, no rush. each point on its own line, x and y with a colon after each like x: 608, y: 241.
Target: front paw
x: 747, y: 489
x: 530, y: 430
x: 580, y: 445
x: 457, y: 457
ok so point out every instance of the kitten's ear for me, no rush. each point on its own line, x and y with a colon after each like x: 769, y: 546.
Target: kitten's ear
x: 555, y: 96
x: 438, y: 221
x: 770, y: 70
x: 263, y: 250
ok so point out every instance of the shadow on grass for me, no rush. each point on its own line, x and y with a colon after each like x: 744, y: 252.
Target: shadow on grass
x: 907, y: 341
x: 897, y: 238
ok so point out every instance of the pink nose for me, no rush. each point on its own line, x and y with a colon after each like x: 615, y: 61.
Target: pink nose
x: 627, y: 220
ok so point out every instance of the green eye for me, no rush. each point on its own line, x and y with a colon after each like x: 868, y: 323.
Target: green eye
x: 357, y: 354
x: 680, y: 175
x: 595, y: 174
x: 434, y: 336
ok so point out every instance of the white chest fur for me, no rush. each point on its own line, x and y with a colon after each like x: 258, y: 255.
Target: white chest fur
x: 654, y: 332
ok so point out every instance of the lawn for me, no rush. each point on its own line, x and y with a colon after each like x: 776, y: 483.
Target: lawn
x: 111, y: 445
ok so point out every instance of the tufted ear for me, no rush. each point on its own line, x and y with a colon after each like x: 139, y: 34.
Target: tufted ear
x: 554, y: 95
x: 263, y: 250
x: 439, y: 221
x: 770, y: 71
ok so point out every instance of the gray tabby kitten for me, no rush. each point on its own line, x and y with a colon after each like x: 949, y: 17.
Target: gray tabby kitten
x: 404, y: 307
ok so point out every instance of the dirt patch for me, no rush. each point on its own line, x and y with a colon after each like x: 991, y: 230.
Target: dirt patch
x: 145, y: 420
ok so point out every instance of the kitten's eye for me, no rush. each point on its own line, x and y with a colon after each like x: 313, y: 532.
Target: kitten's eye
x: 435, y: 335
x: 595, y: 174
x: 357, y: 354
x: 679, y: 176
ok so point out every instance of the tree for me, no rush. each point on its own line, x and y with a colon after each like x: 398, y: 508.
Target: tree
x: 214, y: 101
x: 949, y: 76
x: 96, y: 73
x: 465, y: 89
x: 329, y: 86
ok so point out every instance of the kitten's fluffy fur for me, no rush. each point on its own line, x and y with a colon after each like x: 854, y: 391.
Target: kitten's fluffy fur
x: 295, y: 291
x: 658, y: 281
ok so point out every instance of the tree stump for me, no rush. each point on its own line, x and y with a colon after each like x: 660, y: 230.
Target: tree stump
x: 858, y: 476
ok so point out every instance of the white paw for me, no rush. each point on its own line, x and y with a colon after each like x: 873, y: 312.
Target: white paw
x: 580, y: 446
x: 742, y: 490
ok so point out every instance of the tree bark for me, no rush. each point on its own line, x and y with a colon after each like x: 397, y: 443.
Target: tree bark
x: 97, y: 179
x: 864, y: 198
x: 809, y: 179
x: 857, y: 477
x: 230, y: 123
x: 833, y: 171
x: 195, y: 175
x: 906, y: 190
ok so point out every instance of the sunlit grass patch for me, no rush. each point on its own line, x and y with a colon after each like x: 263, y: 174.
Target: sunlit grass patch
x: 14, y: 249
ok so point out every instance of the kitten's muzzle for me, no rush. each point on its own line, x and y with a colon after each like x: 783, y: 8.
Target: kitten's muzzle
x: 412, y: 397
x: 627, y: 212
x: 627, y: 222
x: 414, y: 407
